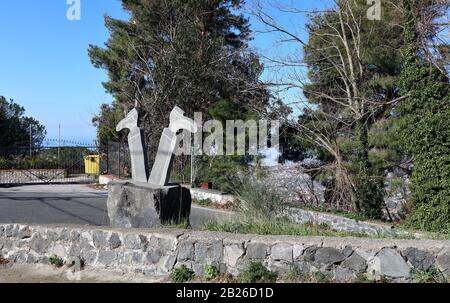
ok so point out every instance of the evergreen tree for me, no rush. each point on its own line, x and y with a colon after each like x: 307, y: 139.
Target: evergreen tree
x: 16, y: 128
x: 186, y: 53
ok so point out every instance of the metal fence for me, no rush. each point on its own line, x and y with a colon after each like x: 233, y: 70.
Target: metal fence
x: 45, y: 165
x: 118, y: 164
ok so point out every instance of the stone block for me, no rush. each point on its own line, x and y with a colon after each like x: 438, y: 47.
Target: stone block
x: 256, y: 251
x: 143, y: 205
x: 419, y: 259
x: 328, y: 256
x: 388, y: 262
x: 355, y: 263
x: 281, y: 252
x: 443, y: 263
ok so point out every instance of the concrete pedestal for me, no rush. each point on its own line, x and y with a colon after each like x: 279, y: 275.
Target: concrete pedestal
x: 140, y: 205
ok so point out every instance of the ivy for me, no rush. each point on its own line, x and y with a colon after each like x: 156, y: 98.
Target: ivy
x: 425, y: 134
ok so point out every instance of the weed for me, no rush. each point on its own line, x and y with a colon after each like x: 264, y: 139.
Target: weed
x: 56, y: 261
x: 257, y: 273
x: 182, y: 274
x: 432, y: 275
x: 203, y: 202
x: 211, y: 272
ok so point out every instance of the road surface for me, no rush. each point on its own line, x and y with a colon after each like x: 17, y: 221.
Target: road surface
x: 71, y: 204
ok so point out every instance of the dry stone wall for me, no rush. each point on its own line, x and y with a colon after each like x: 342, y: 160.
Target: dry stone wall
x: 158, y: 252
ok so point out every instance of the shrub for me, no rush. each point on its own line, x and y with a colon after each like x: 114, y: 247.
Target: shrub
x: 56, y: 261
x: 182, y: 274
x: 257, y: 273
x: 211, y: 272
x: 433, y: 275
x: 202, y: 202
x: 256, y: 198
x: 294, y: 275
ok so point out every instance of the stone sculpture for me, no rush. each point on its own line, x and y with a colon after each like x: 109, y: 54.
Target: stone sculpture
x: 160, y: 172
x: 162, y: 166
x: 149, y: 200
x: 136, y: 145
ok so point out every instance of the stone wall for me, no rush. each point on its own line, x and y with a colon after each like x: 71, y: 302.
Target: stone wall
x: 157, y: 252
x: 341, y: 223
x: 214, y: 196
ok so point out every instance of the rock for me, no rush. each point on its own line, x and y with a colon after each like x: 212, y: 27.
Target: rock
x: 185, y: 251
x: 304, y: 267
x: 256, y: 250
x: 24, y: 233
x: 343, y: 274
x: 143, y: 206
x: 9, y: 230
x: 106, y: 257
x: 136, y: 257
x: 114, y: 241
x: 281, y: 252
x: 64, y: 235
x: 328, y: 256
x: 231, y: 254
x: 86, y: 242
x: 59, y: 250
x: 100, y: 239
x: 208, y: 252
x: 38, y: 244
x: 355, y: 263
x: 52, y: 235
x: 347, y: 251
x: 20, y: 257
x: 89, y: 257
x: 388, y: 262
x: 134, y: 241
x: 297, y: 251
x: 419, y: 259
x: 443, y: 263
x: 153, y: 256
x: 309, y: 253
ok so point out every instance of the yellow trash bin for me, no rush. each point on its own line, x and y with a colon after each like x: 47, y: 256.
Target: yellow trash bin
x: 92, y: 165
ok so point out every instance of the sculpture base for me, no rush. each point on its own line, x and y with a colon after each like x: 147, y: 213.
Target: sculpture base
x: 139, y: 205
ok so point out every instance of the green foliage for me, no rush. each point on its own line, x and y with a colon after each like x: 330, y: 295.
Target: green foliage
x: 188, y: 53
x: 221, y: 171
x: 202, y: 202
x: 256, y: 272
x: 362, y: 278
x: 425, y: 134
x: 294, y: 275
x: 347, y: 72
x: 274, y: 226
x: 15, y: 128
x: 56, y: 261
x: 182, y: 274
x: 177, y: 225
x: 257, y: 199
x: 432, y: 275
x: 211, y: 272
x: 106, y: 122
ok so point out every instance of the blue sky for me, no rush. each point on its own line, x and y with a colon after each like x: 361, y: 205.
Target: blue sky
x: 44, y: 64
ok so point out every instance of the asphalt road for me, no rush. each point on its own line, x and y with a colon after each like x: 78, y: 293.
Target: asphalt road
x: 65, y: 204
